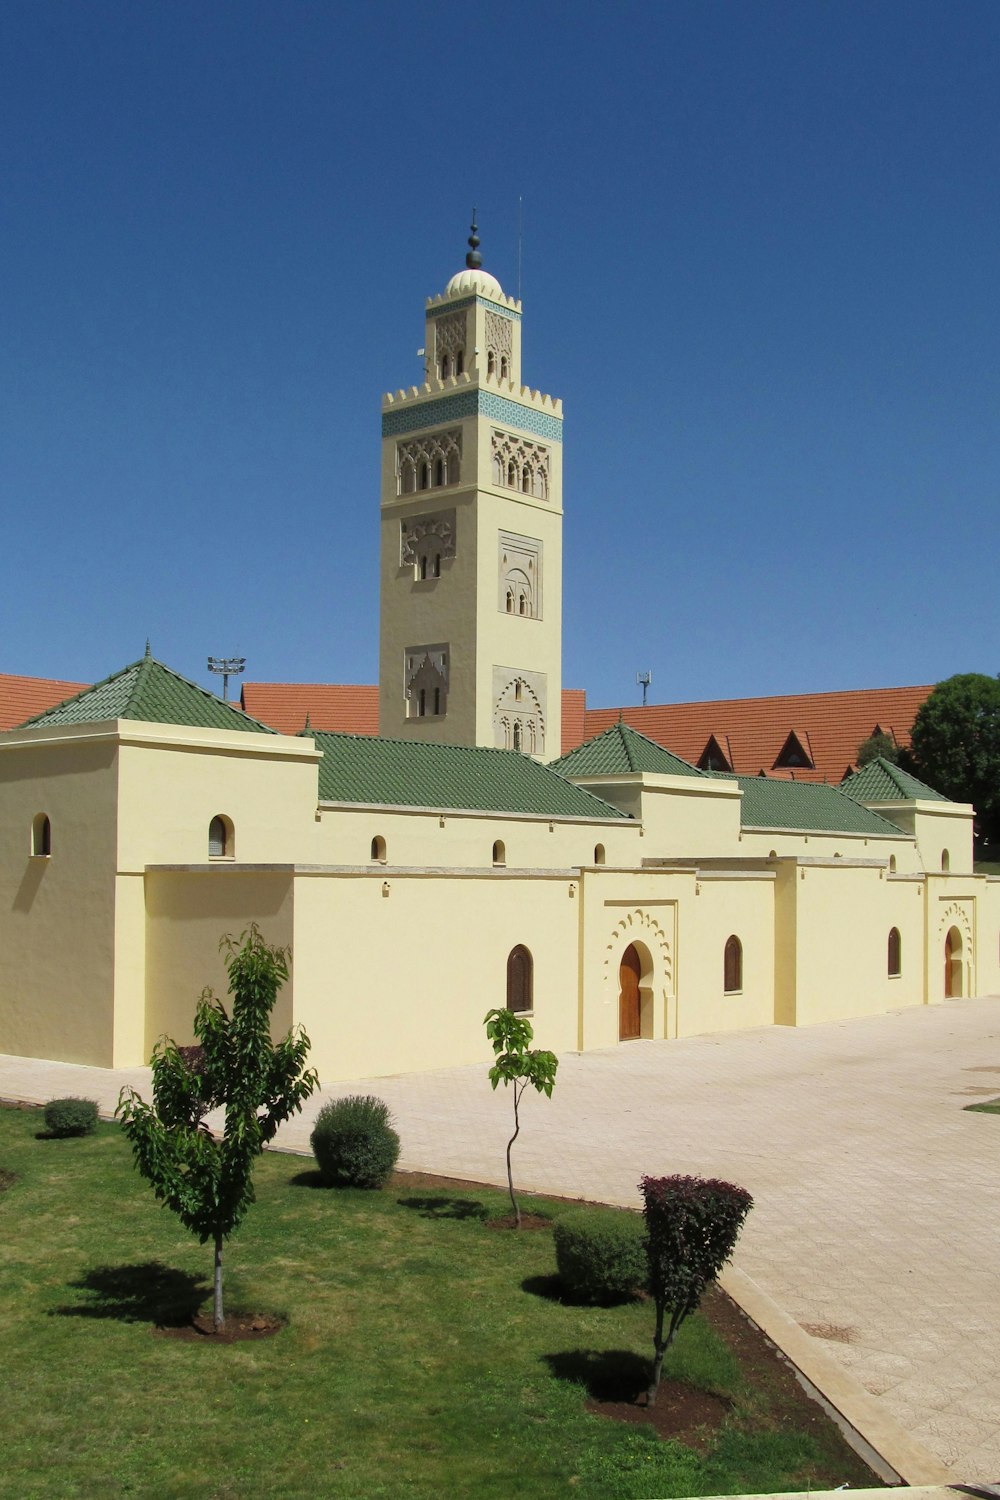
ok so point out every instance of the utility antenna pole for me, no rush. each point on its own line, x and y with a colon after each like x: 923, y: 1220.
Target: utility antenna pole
x: 229, y: 666
x: 643, y: 679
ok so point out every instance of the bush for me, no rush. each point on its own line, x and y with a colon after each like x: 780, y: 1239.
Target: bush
x: 70, y: 1116
x: 354, y: 1143
x: 601, y: 1253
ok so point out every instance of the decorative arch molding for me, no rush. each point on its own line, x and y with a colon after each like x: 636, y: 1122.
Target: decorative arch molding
x: 955, y: 915
x: 642, y: 927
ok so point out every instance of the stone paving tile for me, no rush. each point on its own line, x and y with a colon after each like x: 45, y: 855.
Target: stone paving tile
x: 876, y: 1195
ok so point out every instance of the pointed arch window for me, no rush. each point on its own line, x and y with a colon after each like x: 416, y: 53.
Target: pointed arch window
x: 520, y: 980
x: 895, y: 954
x: 733, y: 966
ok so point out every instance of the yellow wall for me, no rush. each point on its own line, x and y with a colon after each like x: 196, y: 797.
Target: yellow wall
x: 187, y: 912
x: 58, y: 913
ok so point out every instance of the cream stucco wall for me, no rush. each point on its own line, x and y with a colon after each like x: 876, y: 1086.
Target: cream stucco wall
x: 57, y: 913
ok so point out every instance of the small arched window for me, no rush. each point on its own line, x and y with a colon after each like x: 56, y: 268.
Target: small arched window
x: 425, y: 476
x: 512, y: 474
x: 437, y: 565
x: 378, y: 849
x: 520, y: 980
x: 945, y: 861
x: 422, y: 704
x: 517, y: 736
x: 423, y: 566
x: 510, y: 602
x: 439, y: 471
x: 499, y: 853
x: 522, y: 604
x: 445, y: 368
x: 733, y: 966
x: 41, y: 836
x: 599, y: 854
x: 491, y: 363
x: 220, y: 838
x: 460, y: 362
x: 504, y: 367
x: 892, y: 864
x: 526, y: 480
x: 895, y: 954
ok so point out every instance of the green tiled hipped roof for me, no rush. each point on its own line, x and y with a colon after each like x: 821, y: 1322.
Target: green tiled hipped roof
x: 881, y: 781
x: 813, y: 807
x: 151, y: 693
x: 396, y: 773
x: 621, y: 749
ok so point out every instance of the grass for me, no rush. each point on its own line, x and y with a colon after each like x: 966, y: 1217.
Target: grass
x: 988, y: 1107
x: 419, y: 1357
x: 987, y: 867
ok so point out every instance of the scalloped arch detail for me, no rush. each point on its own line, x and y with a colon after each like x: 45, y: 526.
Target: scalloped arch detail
x: 644, y: 926
x: 954, y: 915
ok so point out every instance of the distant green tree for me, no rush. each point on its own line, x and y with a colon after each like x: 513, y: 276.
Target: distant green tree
x: 520, y: 1065
x: 879, y: 746
x: 955, y: 745
x: 207, y: 1180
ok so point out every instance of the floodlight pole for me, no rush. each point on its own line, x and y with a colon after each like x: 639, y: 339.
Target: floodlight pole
x: 229, y: 666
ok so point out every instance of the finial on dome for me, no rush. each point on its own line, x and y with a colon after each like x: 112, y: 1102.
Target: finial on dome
x: 148, y: 651
x: 473, y: 259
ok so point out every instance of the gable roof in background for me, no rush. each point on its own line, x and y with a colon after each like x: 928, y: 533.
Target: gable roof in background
x: 881, y: 781
x: 24, y: 697
x: 620, y: 750
x: 769, y: 734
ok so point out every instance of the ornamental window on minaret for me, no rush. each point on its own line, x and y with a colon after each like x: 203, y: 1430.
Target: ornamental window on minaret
x: 471, y: 530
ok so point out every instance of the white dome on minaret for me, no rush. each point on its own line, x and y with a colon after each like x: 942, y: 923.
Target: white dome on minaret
x: 476, y: 280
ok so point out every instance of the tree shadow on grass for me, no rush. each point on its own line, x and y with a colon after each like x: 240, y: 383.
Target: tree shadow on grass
x: 445, y: 1208
x: 607, y: 1374
x: 554, y: 1289
x: 146, y: 1293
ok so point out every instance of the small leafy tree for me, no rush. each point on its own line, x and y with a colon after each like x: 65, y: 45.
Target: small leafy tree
x: 955, y: 745
x: 692, y: 1225
x: 520, y: 1065
x: 878, y: 746
x: 207, y: 1180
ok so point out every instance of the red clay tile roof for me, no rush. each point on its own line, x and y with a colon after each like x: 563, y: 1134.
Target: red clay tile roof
x: 574, y: 714
x: 23, y: 697
x: 347, y: 708
x: 752, y: 732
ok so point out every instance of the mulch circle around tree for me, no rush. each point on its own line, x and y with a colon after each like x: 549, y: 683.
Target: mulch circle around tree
x: 6, y: 1178
x: 237, y: 1328
x: 681, y: 1412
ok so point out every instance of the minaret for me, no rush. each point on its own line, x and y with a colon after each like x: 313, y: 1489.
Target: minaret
x: 471, y: 550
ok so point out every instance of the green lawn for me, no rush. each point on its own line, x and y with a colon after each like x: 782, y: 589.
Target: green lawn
x: 987, y: 867
x: 424, y: 1354
x: 989, y: 1107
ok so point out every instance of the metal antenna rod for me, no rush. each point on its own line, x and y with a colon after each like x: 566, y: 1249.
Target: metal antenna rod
x: 229, y: 666
x: 643, y: 679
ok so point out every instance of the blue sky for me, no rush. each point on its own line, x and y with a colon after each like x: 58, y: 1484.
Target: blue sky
x: 759, y: 267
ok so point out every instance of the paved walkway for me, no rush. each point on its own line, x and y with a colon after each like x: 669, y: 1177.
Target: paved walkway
x: 877, y: 1196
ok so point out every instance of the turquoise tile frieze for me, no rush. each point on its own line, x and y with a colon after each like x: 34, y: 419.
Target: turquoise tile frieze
x: 497, y: 307
x: 470, y: 404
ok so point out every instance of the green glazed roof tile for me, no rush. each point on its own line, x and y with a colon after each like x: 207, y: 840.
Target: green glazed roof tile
x: 398, y: 773
x: 881, y: 781
x: 812, y: 806
x: 151, y: 693
x: 622, y: 749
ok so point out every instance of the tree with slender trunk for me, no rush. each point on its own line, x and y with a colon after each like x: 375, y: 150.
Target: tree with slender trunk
x: 207, y: 1179
x: 521, y: 1065
x: 692, y: 1225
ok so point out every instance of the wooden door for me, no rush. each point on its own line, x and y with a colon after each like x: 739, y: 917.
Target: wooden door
x: 629, y: 1025
x: 947, y: 966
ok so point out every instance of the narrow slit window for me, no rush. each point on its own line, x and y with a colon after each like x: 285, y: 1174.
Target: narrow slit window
x: 733, y: 966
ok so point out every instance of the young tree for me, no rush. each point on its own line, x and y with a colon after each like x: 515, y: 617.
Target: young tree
x: 520, y: 1065
x: 208, y: 1180
x: 692, y: 1225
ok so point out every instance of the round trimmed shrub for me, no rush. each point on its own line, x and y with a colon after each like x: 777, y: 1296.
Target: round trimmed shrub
x: 354, y: 1143
x: 601, y: 1253
x: 70, y: 1116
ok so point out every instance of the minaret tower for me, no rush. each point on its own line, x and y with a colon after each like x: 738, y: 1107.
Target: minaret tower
x: 471, y: 550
